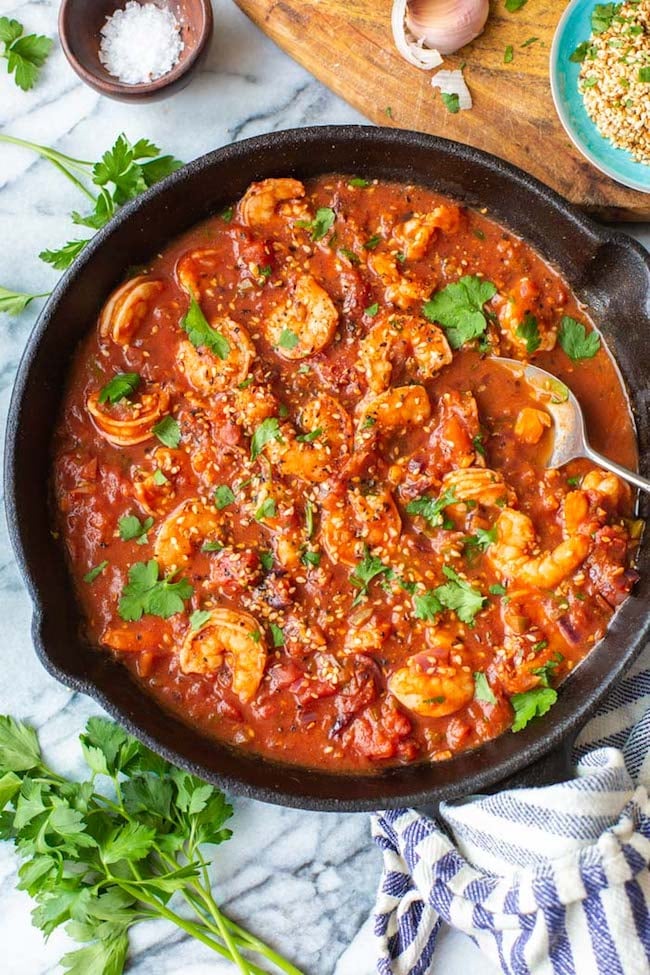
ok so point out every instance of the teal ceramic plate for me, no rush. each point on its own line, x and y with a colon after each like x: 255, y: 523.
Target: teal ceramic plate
x: 574, y: 27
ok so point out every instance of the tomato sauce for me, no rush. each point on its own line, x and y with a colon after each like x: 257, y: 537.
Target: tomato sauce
x: 304, y: 503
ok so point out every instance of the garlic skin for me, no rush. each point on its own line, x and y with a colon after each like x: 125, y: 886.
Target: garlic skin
x: 408, y: 46
x: 446, y: 25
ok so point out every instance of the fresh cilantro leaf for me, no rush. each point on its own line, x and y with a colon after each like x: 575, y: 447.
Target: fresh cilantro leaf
x: 365, y: 571
x: 277, y: 635
x: 288, y: 339
x: 200, y: 332
x: 64, y: 256
x: 372, y: 242
x: 311, y: 436
x: 371, y: 310
x: 145, y: 593
x: 451, y: 101
x: 497, y: 589
x: 14, y: 302
x: 351, y: 256
x: 602, y: 16
x: 267, y: 431
x: 95, y: 572
x: 321, y: 224
x: 547, y: 672
x: 531, y: 704
x: 482, y: 690
x: 168, y: 432
x: 212, y: 547
x: 223, y: 496
x: 459, y: 309
x: 508, y: 54
x: 481, y: 539
x: 310, y: 558
x: 121, y: 386
x: 431, y: 508
x: 528, y: 330
x: 580, y: 52
x: 159, y: 478
x: 460, y: 597
x: 267, y: 509
x: 358, y: 183
x: 25, y: 53
x: 132, y: 529
x: 575, y: 341
x: 199, y: 618
x: 426, y: 606
x: 266, y: 558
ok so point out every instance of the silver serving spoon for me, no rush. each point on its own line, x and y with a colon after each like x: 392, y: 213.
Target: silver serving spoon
x: 570, y: 437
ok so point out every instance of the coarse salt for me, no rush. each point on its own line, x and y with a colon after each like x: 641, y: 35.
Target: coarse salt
x: 140, y: 43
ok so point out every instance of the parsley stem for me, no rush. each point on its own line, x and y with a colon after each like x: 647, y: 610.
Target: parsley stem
x: 58, y: 159
x: 73, y: 179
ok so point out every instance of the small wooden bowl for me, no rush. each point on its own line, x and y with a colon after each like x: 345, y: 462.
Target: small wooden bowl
x: 80, y: 23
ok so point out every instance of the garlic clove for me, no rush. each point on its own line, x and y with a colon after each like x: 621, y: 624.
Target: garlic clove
x: 443, y: 26
x: 408, y: 46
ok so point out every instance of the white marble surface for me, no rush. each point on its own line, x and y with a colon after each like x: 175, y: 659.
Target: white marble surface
x: 304, y: 881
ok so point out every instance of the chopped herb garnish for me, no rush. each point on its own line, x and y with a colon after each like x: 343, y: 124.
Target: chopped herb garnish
x: 288, y: 339
x: 212, y: 547
x: 304, y: 369
x: 310, y: 437
x: 644, y: 75
x: 132, y: 529
x: 168, y: 432
x: 482, y: 690
x: 602, y: 16
x: 369, y: 422
x: 255, y: 636
x: 245, y: 383
x: 460, y: 596
x: 583, y: 50
x: 372, y: 242
x: 145, y: 593
x: 265, y: 272
x: 227, y: 214
x: 159, y: 478
x: 431, y: 508
x: 388, y: 111
x: 223, y: 496
x: 267, y: 509
x: 310, y: 558
x: 497, y: 589
x: 559, y: 392
x: 481, y: 539
x: 531, y: 704
x: 122, y: 386
x: 590, y: 82
x: 283, y: 411
x: 96, y: 571
x: 576, y: 342
x: 514, y: 5
x: 401, y: 257
x: 528, y: 330
x: 547, y: 672
x: 266, y: 558
x: 451, y: 101
x: 277, y: 635
x: 351, y: 256
x: 531, y: 40
x: 371, y: 310
x: 267, y: 431
x: 574, y: 481
x: 199, y: 618
x: 426, y: 606
x: 309, y: 518
x: 321, y: 224
x: 477, y: 444
x: 459, y: 309
x: 478, y: 233
x: 508, y: 54
x: 200, y: 332
x: 365, y: 571
x: 358, y: 183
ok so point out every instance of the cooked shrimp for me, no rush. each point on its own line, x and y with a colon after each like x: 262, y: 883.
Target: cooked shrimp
x: 305, y: 323
x: 195, y: 266
x: 326, y: 414
x: 512, y: 553
x: 408, y: 339
x: 399, y: 290
x: 396, y: 409
x: 258, y: 204
x: 127, y: 308
x: 354, y: 522
x: 155, y: 489
x: 414, y: 235
x: 365, y: 632
x: 185, y: 530
x: 206, y: 372
x: 132, y: 639
x: 479, y: 484
x: 270, y: 504
x: 128, y: 422
x: 227, y: 637
x: 606, y: 484
x: 432, y: 683
x: 253, y: 405
x: 313, y: 460
x: 531, y: 424
x: 513, y: 313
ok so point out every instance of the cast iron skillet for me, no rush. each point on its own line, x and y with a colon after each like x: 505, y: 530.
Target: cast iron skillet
x: 609, y: 272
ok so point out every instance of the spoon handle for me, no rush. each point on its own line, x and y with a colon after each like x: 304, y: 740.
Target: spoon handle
x: 610, y: 465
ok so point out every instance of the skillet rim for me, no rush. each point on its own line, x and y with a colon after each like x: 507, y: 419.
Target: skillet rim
x: 540, y: 739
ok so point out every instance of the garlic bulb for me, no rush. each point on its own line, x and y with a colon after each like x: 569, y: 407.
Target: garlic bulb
x: 424, y: 29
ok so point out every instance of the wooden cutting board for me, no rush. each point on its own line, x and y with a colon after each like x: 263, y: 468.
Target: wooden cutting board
x: 348, y: 45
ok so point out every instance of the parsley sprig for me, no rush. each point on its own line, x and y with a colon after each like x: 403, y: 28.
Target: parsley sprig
x: 370, y: 567
x: 146, y: 594
x: 25, y: 53
x: 431, y: 509
x: 458, y: 308
x: 201, y: 334
x: 100, y: 859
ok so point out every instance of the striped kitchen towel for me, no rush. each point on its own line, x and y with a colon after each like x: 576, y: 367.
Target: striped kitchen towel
x: 548, y: 881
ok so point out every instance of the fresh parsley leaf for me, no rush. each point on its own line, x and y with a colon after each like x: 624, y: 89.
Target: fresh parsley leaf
x: 159, y: 478
x: 63, y: 257
x: 580, y: 52
x: 531, y: 40
x: 358, y: 182
x: 371, y: 310
x: 459, y: 309
x: 267, y: 560
x: 451, y: 101
x: 311, y: 436
x: 95, y: 571
x: 212, y: 547
x: 146, y: 594
x: 482, y: 690
x: 310, y: 558
x: 132, y: 529
x: 460, y: 597
x: 365, y: 571
x: 223, y: 496
x: 267, y: 431
x: 351, y: 256
x: 15, y: 302
x: 528, y: 330
x: 531, y: 704
x: 602, y: 16
x: 481, y: 539
x: 576, y: 342
x: 574, y: 482
x: 426, y: 606
x: 277, y: 635
x: 19, y: 748
x: 200, y: 332
x: 497, y: 589
x: 199, y: 618
x: 644, y: 75
x: 547, y: 672
x: 121, y: 386
x: 514, y: 5
x: 265, y: 272
x: 25, y: 53
x: 431, y: 508
x: 267, y: 509
x: 372, y: 242
x: 168, y: 432
x: 508, y: 54
x: 321, y: 224
x: 288, y: 339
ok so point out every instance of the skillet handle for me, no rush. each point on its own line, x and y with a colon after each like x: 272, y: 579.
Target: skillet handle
x: 556, y: 766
